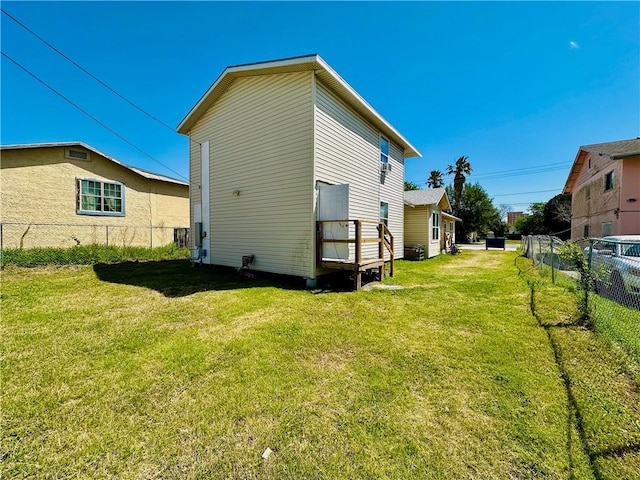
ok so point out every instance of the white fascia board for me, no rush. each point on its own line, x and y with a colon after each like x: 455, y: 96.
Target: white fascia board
x: 317, y: 63
x: 248, y: 67
x: 370, y: 110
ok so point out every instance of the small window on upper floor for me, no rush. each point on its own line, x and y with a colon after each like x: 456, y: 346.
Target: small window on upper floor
x: 76, y: 154
x: 384, y: 150
x: 586, y: 231
x: 587, y: 192
x: 606, y: 229
x: 608, y: 181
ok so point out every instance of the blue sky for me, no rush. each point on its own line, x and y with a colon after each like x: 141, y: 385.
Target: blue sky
x: 515, y: 86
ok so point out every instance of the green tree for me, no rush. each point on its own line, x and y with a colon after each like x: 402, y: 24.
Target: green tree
x: 477, y: 212
x: 410, y: 186
x: 533, y: 223
x: 462, y: 168
x: 557, y: 216
x: 435, y: 179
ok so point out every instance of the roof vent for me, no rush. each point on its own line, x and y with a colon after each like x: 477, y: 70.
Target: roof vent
x: 77, y: 154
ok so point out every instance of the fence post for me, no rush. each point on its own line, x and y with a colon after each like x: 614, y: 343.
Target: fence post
x: 540, y: 250
x: 553, y: 270
x: 588, y: 284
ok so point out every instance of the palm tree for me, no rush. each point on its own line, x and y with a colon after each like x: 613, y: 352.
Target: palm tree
x: 435, y: 179
x: 462, y: 168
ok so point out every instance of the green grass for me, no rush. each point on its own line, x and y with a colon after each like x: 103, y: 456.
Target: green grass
x: 162, y: 370
x: 617, y: 322
x: 602, y: 375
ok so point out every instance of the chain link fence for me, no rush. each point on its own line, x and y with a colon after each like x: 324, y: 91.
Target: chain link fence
x: 48, y: 243
x: 607, y: 272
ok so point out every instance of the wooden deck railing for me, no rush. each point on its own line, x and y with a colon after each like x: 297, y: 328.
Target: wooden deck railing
x: 384, y: 239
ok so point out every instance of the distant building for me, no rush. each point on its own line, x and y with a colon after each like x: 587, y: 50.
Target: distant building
x: 604, y: 182
x: 512, y: 217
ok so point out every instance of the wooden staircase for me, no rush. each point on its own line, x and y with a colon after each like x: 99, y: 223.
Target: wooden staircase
x: 358, y: 264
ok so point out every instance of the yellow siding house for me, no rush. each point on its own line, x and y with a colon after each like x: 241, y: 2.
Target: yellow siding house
x: 276, y: 147
x: 427, y: 222
x: 64, y: 194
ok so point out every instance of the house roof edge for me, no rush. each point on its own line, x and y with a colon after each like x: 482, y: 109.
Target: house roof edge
x: 305, y: 62
x: 139, y: 171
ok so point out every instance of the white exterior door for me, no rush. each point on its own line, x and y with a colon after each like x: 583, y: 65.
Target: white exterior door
x: 206, y: 201
x: 333, y: 204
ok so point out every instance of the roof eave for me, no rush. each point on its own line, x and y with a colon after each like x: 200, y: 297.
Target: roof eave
x: 574, y: 172
x: 280, y: 66
x: 136, y: 170
x: 445, y: 214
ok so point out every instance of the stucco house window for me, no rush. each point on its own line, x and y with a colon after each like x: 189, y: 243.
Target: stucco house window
x: 95, y: 197
x: 606, y: 229
x: 608, y: 181
x: 435, y: 226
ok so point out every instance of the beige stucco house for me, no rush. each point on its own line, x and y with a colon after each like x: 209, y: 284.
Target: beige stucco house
x: 427, y: 220
x: 276, y: 147
x: 604, y: 183
x: 69, y: 193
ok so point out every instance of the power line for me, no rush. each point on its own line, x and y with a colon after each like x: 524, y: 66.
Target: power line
x: 91, y: 116
x: 524, y: 193
x: 517, y: 174
x: 86, y: 71
x: 523, y: 169
x: 550, y: 167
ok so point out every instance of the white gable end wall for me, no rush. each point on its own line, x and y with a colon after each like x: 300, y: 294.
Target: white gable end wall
x: 261, y: 176
x: 347, y: 152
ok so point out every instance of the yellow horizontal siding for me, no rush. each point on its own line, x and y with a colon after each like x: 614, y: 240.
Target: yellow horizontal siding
x: 261, y: 144
x: 416, y: 225
x: 348, y: 151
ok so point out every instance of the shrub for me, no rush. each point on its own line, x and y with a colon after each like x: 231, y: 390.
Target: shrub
x: 88, y: 255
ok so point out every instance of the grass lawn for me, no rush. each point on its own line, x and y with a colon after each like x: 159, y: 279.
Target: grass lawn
x: 161, y: 370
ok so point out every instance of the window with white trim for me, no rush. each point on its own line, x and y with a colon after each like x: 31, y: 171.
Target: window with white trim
x: 95, y: 197
x: 435, y: 226
x: 384, y: 150
x: 384, y: 213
